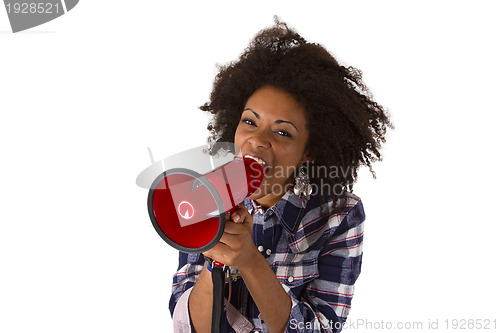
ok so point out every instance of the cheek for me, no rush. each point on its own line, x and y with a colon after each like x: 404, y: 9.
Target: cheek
x: 292, y: 157
x: 287, y: 160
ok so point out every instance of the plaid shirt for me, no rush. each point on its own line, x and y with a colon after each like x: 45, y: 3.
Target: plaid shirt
x: 316, y: 260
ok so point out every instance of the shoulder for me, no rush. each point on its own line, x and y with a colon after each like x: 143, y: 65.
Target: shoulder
x: 315, y: 226
x: 347, y: 210
x: 351, y: 212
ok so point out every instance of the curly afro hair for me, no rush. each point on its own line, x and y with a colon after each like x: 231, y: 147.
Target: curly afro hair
x: 346, y: 127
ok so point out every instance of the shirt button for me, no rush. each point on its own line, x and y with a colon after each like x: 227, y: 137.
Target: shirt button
x: 290, y: 279
x: 260, y: 248
x: 268, y: 252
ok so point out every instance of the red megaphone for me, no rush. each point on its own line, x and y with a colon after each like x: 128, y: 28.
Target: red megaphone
x: 188, y: 209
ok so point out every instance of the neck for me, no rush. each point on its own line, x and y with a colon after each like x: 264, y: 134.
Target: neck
x: 269, y: 200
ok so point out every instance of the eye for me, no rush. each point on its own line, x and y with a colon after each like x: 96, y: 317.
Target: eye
x: 248, y: 122
x: 283, y: 133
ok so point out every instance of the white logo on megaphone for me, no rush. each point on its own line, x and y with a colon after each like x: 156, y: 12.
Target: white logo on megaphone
x: 186, y: 210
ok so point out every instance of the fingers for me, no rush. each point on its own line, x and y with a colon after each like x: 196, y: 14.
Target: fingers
x: 237, y: 233
x: 233, y: 228
x: 241, y: 215
x: 217, y: 252
x: 231, y: 240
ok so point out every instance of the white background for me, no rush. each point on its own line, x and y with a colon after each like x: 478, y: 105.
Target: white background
x: 83, y: 96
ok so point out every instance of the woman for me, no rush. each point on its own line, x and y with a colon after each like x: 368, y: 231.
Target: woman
x: 295, y: 246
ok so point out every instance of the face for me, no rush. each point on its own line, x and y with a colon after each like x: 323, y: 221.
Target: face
x: 273, y: 128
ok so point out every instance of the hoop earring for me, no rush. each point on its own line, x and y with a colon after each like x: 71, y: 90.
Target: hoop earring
x: 302, y: 188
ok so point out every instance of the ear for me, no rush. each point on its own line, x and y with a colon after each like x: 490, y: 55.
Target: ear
x: 307, y: 157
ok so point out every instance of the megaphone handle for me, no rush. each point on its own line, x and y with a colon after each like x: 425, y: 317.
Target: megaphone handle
x: 216, y: 263
x: 218, y: 282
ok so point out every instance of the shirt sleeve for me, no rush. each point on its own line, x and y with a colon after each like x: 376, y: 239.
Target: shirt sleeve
x: 324, y: 303
x: 180, y: 317
x: 190, y: 266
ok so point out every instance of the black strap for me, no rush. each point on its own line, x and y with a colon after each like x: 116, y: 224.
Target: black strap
x: 218, y: 280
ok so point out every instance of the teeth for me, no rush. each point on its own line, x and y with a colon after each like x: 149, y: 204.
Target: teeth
x: 256, y: 159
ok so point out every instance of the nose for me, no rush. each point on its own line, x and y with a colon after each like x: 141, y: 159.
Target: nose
x: 259, y: 141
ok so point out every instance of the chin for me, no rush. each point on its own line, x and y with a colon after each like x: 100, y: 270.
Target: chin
x: 260, y: 193
x: 257, y: 195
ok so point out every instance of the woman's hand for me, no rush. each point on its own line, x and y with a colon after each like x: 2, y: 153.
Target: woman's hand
x: 236, y: 248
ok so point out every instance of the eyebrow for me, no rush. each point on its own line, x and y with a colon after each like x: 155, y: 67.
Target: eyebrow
x: 279, y: 121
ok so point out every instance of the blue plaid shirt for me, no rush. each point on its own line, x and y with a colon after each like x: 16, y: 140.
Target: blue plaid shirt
x: 316, y: 259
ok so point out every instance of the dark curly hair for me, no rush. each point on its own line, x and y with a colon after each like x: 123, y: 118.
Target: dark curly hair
x: 346, y: 127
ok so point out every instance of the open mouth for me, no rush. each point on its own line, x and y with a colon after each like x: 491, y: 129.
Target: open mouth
x: 256, y: 159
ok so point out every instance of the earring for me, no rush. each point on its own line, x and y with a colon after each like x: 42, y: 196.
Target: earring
x: 302, y: 188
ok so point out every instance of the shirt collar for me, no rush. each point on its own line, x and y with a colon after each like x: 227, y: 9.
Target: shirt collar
x: 288, y: 209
